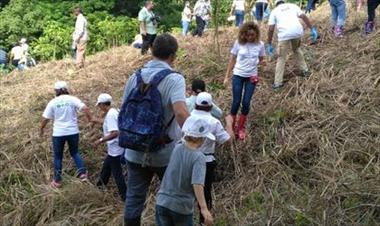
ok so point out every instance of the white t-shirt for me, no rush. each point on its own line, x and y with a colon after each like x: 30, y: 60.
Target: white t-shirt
x: 239, y: 4
x: 247, y: 58
x: 186, y: 14
x: 286, y: 18
x: 63, y: 110
x: 216, y: 127
x: 80, y: 32
x: 109, y: 125
x: 17, y: 52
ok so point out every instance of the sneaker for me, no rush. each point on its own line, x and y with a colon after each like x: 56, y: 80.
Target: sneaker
x: 369, y: 27
x: 277, y: 86
x: 339, y: 31
x: 306, y: 74
x: 54, y: 184
x: 83, y: 177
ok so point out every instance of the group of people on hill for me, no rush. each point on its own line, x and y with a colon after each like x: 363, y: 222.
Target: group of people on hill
x: 19, y: 56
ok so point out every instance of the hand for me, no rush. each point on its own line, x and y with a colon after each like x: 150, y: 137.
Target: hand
x: 97, y: 142
x: 207, y: 216
x: 269, y: 48
x: 225, y: 82
x: 263, y: 63
x: 314, y: 34
x: 143, y: 33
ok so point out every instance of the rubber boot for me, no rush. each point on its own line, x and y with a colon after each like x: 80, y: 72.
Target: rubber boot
x: 234, y: 127
x: 241, y: 127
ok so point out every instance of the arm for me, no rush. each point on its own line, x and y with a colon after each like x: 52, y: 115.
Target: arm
x: 229, y: 128
x: 262, y: 60
x: 306, y: 20
x: 44, y: 122
x: 216, y: 111
x: 79, y: 28
x: 270, y: 33
x: 180, y: 112
x: 231, y: 65
x: 109, y: 137
x: 143, y: 27
x: 87, y: 112
x: 199, y: 194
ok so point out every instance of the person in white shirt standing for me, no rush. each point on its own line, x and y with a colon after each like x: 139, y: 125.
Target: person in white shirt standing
x: 238, y: 7
x: 63, y: 111
x: 80, y: 37
x: 289, y: 31
x: 202, y: 10
x: 186, y: 18
x: 203, y: 107
x: 17, y: 57
x: 112, y: 162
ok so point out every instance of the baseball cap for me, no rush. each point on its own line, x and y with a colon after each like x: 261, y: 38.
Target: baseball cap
x: 104, y: 98
x: 204, y: 99
x: 198, y: 86
x: 196, y: 126
x: 278, y: 1
x: 61, y: 85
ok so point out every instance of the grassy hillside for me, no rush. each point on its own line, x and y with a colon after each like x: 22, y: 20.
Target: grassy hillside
x: 313, y: 157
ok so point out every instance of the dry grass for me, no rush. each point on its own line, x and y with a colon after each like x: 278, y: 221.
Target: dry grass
x: 313, y: 157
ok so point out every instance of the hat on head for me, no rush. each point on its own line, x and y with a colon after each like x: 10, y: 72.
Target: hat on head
x: 61, y: 85
x: 278, y: 1
x: 204, y: 99
x: 195, y: 126
x: 104, y: 98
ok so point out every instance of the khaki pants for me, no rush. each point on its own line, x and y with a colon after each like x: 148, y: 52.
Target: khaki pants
x: 81, y: 49
x: 284, y: 48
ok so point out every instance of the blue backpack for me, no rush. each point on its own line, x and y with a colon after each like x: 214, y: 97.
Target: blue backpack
x: 141, y: 119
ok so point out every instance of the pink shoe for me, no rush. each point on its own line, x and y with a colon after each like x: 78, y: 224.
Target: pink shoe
x: 54, y: 184
x: 83, y: 177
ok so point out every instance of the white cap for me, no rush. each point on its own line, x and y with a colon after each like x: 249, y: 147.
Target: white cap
x: 104, y: 98
x: 196, y: 126
x: 61, y: 85
x: 278, y: 1
x: 204, y: 99
x: 23, y: 40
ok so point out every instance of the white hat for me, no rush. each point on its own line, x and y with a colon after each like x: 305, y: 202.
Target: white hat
x: 278, y: 1
x: 23, y: 40
x: 196, y: 126
x: 61, y: 85
x: 104, y: 98
x: 204, y: 99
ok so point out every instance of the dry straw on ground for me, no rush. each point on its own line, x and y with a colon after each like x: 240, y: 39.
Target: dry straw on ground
x: 312, y: 157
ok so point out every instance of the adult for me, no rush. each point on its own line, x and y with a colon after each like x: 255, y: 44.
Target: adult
x: 3, y: 58
x: 246, y: 54
x: 186, y: 18
x: 285, y: 17
x: 17, y: 57
x: 63, y: 111
x: 201, y: 10
x: 261, y: 6
x: 112, y: 163
x: 80, y: 37
x: 371, y: 10
x: 143, y: 166
x: 338, y: 16
x: 238, y: 7
x: 148, y: 26
x: 24, y: 45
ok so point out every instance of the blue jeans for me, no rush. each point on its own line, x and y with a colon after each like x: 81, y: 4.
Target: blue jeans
x: 338, y: 12
x: 58, y: 147
x: 185, y: 27
x: 260, y: 10
x: 167, y: 217
x: 138, y: 182
x: 239, y: 14
x: 240, y: 84
x: 113, y: 165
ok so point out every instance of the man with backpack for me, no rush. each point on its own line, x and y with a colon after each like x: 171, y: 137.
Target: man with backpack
x: 153, y: 110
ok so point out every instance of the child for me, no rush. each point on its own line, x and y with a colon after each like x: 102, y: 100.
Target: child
x: 197, y: 87
x: 246, y: 54
x: 112, y: 162
x: 184, y: 178
x: 203, y: 107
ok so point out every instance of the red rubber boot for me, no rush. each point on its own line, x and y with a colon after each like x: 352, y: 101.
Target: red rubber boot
x: 241, y: 127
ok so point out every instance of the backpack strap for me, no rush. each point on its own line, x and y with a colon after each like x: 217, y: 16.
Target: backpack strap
x: 138, y: 77
x: 160, y: 76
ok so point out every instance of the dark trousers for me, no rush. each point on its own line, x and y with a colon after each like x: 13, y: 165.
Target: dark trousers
x: 371, y: 9
x: 113, y: 165
x: 138, y: 182
x: 167, y: 217
x: 240, y: 84
x: 148, y: 40
x: 260, y: 10
x: 209, y: 179
x: 58, y: 147
x: 200, y: 26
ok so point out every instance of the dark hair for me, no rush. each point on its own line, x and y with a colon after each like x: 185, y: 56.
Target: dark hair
x: 198, y: 86
x: 78, y: 9
x: 203, y: 108
x: 193, y: 139
x: 59, y: 92
x: 279, y: 3
x: 245, y: 28
x: 108, y: 103
x: 164, y: 47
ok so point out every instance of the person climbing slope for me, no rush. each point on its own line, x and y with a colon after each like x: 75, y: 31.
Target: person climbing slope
x: 338, y: 16
x: 285, y: 17
x: 371, y: 10
x: 201, y: 11
x: 80, y: 37
x: 238, y: 8
x: 186, y: 18
x: 63, y: 111
x: 247, y: 53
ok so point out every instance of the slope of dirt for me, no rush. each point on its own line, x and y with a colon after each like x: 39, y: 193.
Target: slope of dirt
x: 313, y: 155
